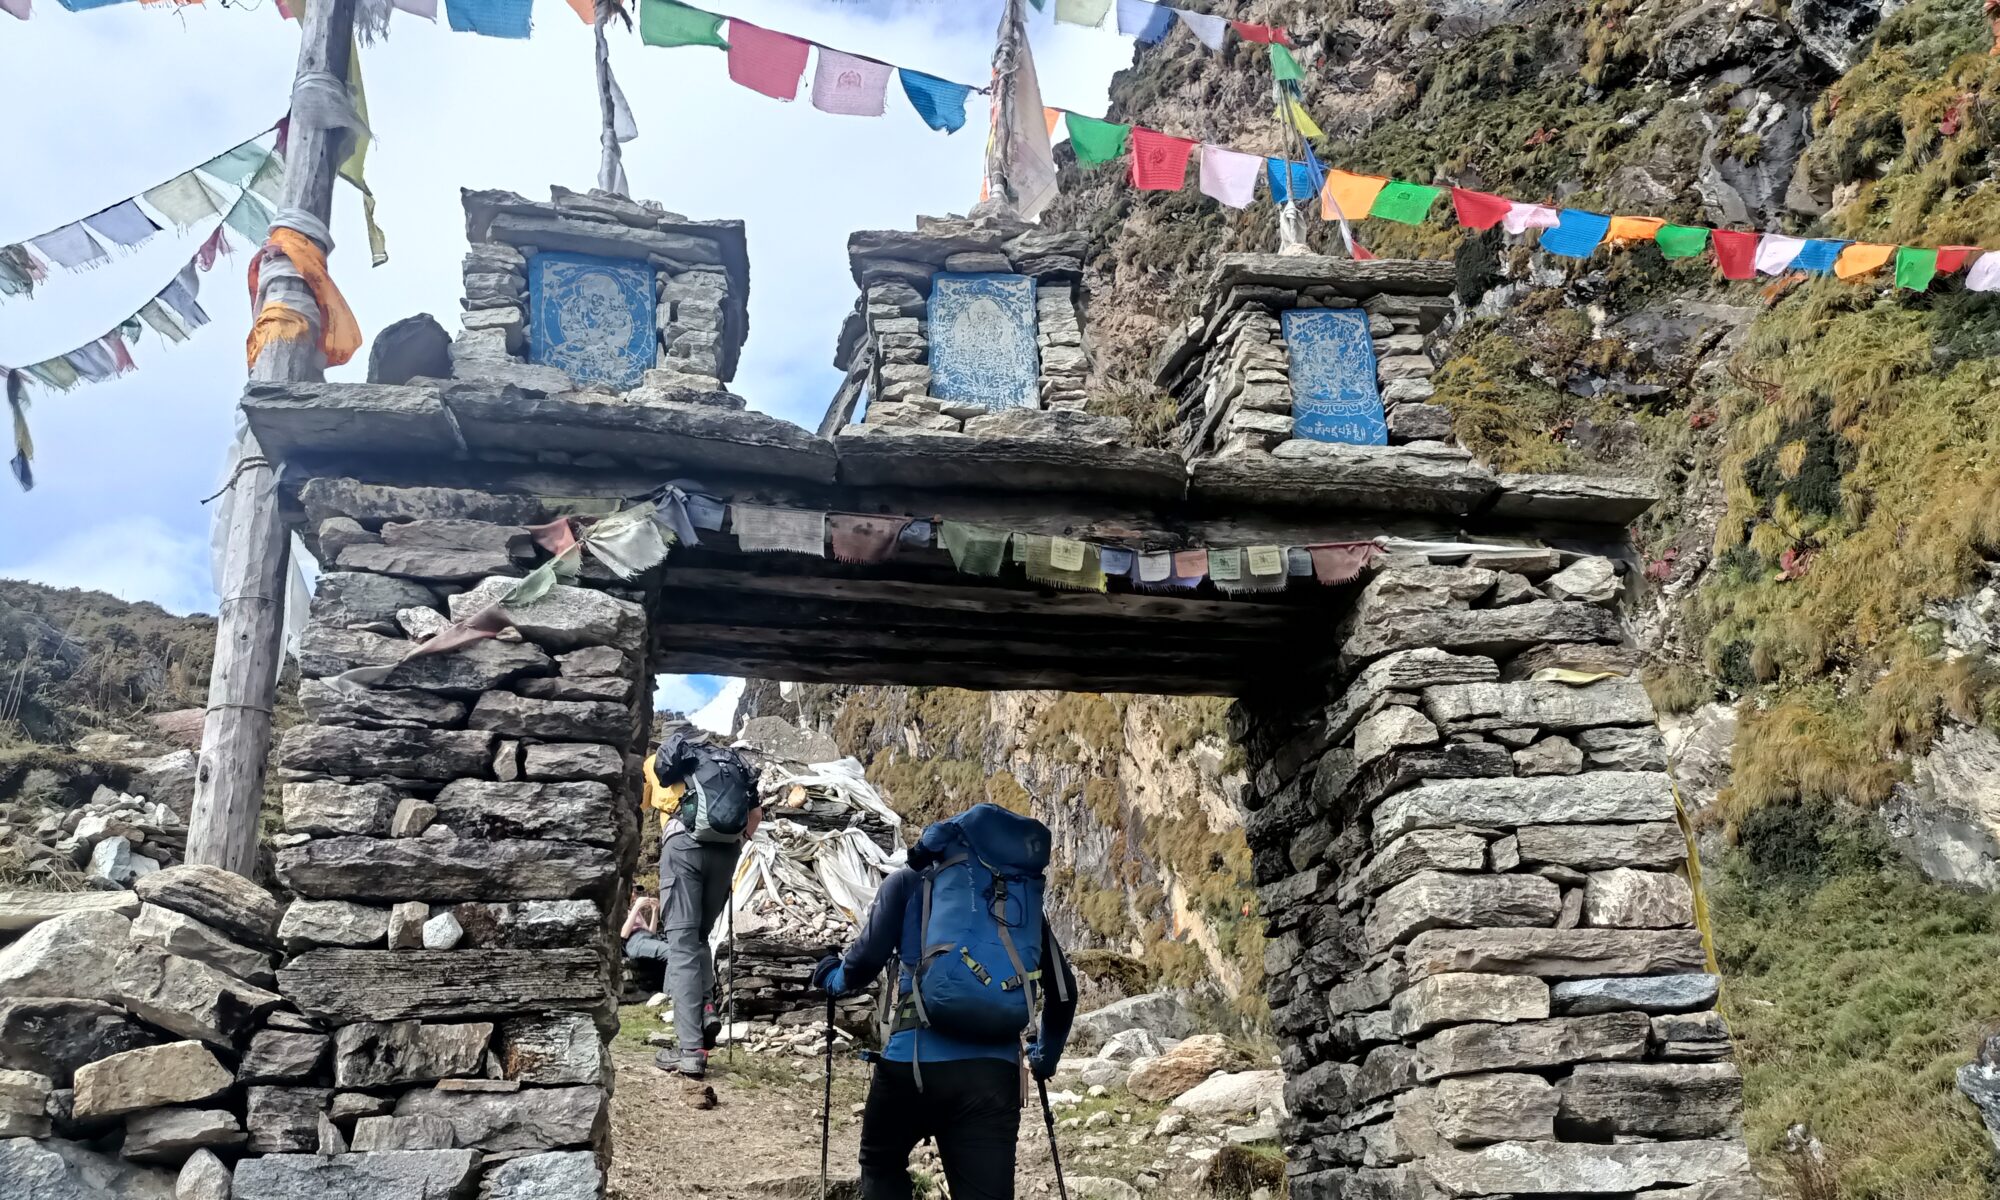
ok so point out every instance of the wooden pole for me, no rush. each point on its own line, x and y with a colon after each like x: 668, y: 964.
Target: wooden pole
x: 236, y: 736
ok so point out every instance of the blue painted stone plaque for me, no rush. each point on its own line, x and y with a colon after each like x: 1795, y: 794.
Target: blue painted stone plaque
x: 1334, y: 395
x: 982, y: 331
x: 592, y: 317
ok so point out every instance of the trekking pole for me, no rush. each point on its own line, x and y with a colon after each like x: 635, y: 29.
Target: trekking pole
x: 729, y: 984
x: 1049, y: 1119
x: 826, y: 1105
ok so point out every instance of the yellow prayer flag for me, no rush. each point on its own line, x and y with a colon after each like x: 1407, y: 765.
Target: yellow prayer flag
x: 1862, y: 258
x: 1302, y: 120
x: 1633, y: 229
x: 1066, y: 554
x: 1349, y: 195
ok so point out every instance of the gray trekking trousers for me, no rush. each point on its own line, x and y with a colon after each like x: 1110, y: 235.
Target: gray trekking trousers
x: 694, y: 890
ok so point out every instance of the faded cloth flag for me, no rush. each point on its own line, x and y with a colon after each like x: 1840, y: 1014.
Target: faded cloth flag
x: 123, y: 224
x: 1144, y: 20
x: 1340, y: 562
x: 70, y: 247
x: 765, y: 530
x: 1070, y: 12
x: 1228, y: 176
x: 1159, y: 162
x: 765, y: 60
x: 1985, y: 274
x: 1190, y: 564
x: 849, y: 85
x: 1521, y: 218
x: 1042, y: 565
x: 1208, y: 30
x: 940, y: 102
x: 182, y: 200
x: 974, y: 549
x: 864, y: 539
x: 236, y: 166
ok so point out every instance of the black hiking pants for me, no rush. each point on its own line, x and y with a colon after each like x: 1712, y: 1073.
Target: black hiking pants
x: 971, y: 1106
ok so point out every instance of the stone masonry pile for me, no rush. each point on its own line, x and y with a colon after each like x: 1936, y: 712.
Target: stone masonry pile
x: 1483, y: 964
x: 1230, y: 368
x: 887, y: 335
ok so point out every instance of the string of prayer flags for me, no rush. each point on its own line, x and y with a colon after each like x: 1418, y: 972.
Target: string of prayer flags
x: 1144, y: 20
x: 1915, y: 268
x: 1408, y: 203
x: 1985, y: 274
x: 1521, y: 218
x: 1576, y: 234
x: 1082, y: 12
x: 767, y: 61
x: 940, y: 102
x: 1681, y: 241
x: 1478, y: 210
x: 1159, y: 161
x: 1229, y: 177
x: 1735, y: 253
x: 848, y: 85
x: 665, y: 23
x: 1347, y: 196
x: 763, y: 530
x: 1283, y: 66
x: 1208, y: 30
x: 1775, y: 252
x: 1817, y: 256
x: 489, y: 18
x: 1301, y: 184
x: 974, y: 549
x: 1095, y: 142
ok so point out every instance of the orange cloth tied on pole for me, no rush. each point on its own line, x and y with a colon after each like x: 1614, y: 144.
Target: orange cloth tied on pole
x: 1862, y: 258
x: 1633, y: 229
x: 340, y: 333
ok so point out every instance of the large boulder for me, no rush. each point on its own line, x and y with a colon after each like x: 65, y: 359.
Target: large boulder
x: 72, y: 955
x: 54, y: 1169
x: 1184, y: 1067
x: 566, y: 618
x: 1238, y: 1092
x: 1155, y: 1012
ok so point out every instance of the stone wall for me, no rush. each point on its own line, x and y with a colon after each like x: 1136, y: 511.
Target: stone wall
x: 1482, y: 963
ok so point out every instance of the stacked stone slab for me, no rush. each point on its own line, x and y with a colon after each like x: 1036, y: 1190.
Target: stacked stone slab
x: 1483, y: 964
x: 702, y: 277
x: 886, y: 339
x: 456, y: 838
x: 1230, y: 370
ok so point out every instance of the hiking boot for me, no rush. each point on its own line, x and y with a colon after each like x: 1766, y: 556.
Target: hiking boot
x: 667, y: 1060
x: 696, y: 1093
x: 710, y: 1034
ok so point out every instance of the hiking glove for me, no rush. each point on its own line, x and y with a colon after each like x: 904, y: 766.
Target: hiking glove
x: 1043, y: 1061
x: 823, y: 973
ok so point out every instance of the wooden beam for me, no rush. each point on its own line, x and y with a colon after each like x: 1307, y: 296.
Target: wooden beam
x: 243, y: 685
x: 1073, y: 677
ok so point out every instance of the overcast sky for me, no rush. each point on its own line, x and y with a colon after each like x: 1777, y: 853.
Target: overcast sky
x: 105, y: 103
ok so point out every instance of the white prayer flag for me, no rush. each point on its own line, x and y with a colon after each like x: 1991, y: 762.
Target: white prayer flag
x: 1775, y: 252
x: 1521, y: 218
x: 1229, y: 176
x: 849, y: 85
x: 1985, y: 274
x: 1205, y: 27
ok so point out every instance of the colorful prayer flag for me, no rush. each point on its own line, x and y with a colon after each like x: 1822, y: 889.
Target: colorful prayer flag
x: 848, y: 85
x: 1735, y: 253
x: 1301, y: 120
x: 1095, y: 142
x: 1082, y: 12
x: 765, y: 60
x: 1284, y: 66
x: 665, y: 23
x: 122, y: 224
x: 1144, y: 20
x: 1681, y: 241
x: 1817, y: 255
x: 1521, y: 218
x: 1409, y: 203
x: 1862, y: 258
x: 1301, y: 187
x: 940, y: 102
x: 1347, y: 196
x: 1775, y: 252
x: 1633, y: 229
x: 489, y: 18
x: 182, y: 200
x: 1159, y: 162
x: 15, y: 8
x: 1478, y: 210
x: 71, y: 246
x: 1261, y: 34
x: 1915, y: 268
x: 1228, y: 176
x: 1951, y: 258
x: 1576, y: 234
x: 1985, y: 274
x: 1208, y: 30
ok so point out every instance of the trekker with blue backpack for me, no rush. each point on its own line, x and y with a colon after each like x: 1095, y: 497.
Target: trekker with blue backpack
x: 973, y: 962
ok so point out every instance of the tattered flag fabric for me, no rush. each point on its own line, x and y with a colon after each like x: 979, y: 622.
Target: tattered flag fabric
x: 1633, y: 229
x: 155, y: 314
x: 16, y: 8
x: 490, y: 18
x: 1735, y: 253
x: 1225, y: 565
x: 1055, y: 562
x: 121, y: 357
x: 849, y: 85
x: 69, y: 247
x: 1521, y: 218
x: 1577, y: 234
x: 1081, y: 12
x: 1159, y: 161
x: 767, y: 61
x: 239, y: 164
x: 1284, y: 66
x: 1301, y: 184
x: 24, y: 474
x: 705, y: 512
x: 54, y: 373
x: 1951, y: 258
x: 1095, y: 142
x: 1681, y: 241
x: 1144, y: 20
x: 763, y: 530
x: 92, y: 361
x: 250, y: 218
x: 1347, y: 196
x: 340, y: 333
x: 1915, y: 268
x: 1408, y: 203
x: 1817, y: 255
x: 1340, y: 562
x: 1208, y: 30
x: 1478, y: 210
x: 1863, y: 258
x: 940, y: 102
x: 427, y: 9
x: 268, y: 184
x: 664, y: 23
x: 211, y: 247
x: 1985, y: 274
x: 180, y: 295
x: 18, y: 270
x: 974, y: 549
x: 1261, y: 34
x: 1775, y: 252
x: 182, y: 200
x: 1229, y: 177
x: 864, y: 539
x: 122, y: 224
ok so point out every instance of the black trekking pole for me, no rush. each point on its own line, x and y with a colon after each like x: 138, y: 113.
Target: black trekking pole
x: 826, y: 1106
x: 1049, y: 1119
x: 729, y: 984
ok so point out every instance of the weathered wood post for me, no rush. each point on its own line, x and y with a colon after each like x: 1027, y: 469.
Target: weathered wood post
x: 236, y: 737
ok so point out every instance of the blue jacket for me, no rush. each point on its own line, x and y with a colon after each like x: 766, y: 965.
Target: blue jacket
x: 883, y: 934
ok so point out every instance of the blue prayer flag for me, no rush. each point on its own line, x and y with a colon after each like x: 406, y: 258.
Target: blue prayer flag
x: 1116, y: 560
x: 1144, y: 20
x: 940, y: 102
x: 81, y: 5
x: 1577, y: 235
x: 493, y: 18
x: 1301, y: 185
x: 1818, y: 255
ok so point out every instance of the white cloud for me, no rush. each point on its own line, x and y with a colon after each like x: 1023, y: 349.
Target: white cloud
x: 684, y: 693
x: 719, y: 714
x: 136, y: 558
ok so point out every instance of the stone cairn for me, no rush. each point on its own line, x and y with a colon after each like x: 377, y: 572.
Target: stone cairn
x: 1483, y: 964
x: 885, y: 341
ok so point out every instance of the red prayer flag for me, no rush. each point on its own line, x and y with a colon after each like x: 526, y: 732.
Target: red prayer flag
x: 1263, y: 35
x: 1479, y: 210
x: 1362, y: 253
x: 1735, y: 253
x: 1159, y: 162
x: 766, y: 61
x: 217, y: 242
x: 121, y: 358
x: 1951, y: 258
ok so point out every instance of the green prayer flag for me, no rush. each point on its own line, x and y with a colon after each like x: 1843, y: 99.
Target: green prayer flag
x: 664, y: 23
x: 1096, y: 142
x: 1405, y: 202
x: 1681, y: 241
x: 1915, y: 268
x: 1283, y: 65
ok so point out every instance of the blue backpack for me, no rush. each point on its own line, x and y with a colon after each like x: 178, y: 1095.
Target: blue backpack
x: 979, y: 924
